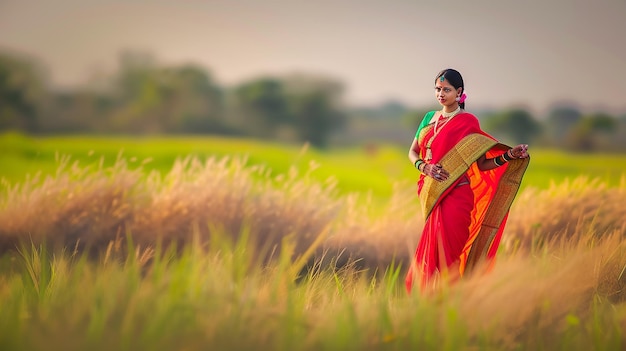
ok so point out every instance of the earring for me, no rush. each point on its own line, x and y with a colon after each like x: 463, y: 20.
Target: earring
x: 457, y: 99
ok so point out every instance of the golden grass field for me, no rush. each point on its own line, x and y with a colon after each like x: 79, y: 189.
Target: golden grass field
x: 224, y: 253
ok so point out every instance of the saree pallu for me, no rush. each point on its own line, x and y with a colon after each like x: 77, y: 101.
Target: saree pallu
x: 466, y: 214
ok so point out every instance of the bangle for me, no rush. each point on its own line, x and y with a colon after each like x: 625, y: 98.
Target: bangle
x: 508, y: 156
x: 418, y: 163
x: 500, y: 160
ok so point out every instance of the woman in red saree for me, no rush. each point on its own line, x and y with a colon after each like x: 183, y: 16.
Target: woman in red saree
x: 467, y: 183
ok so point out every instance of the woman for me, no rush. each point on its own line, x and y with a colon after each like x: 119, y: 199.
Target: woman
x: 467, y: 184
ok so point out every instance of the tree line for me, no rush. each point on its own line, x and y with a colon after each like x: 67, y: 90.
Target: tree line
x: 563, y: 127
x: 145, y: 97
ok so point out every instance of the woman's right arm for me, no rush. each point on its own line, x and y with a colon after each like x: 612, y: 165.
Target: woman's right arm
x: 414, y: 152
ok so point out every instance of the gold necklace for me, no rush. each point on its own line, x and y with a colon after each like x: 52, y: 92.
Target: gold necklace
x: 449, y: 116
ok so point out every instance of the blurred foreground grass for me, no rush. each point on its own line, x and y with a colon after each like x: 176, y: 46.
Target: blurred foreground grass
x: 220, y: 299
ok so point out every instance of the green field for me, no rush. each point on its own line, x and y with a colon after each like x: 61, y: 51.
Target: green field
x: 357, y: 169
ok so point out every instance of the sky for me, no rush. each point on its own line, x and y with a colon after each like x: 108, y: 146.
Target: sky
x: 529, y: 53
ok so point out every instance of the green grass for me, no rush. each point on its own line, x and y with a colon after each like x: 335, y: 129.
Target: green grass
x: 355, y: 169
x: 552, y: 166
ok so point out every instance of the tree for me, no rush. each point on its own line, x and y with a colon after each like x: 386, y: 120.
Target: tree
x: 263, y: 104
x: 516, y: 126
x: 593, y: 133
x: 315, y: 107
x: 157, y: 99
x: 192, y: 100
x: 560, y: 122
x: 79, y: 110
x: 22, y: 91
x: 301, y: 107
x: 314, y: 117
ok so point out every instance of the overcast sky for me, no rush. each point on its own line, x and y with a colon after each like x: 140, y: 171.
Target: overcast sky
x: 530, y: 52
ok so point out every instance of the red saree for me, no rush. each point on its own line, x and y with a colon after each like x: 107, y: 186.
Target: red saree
x: 465, y: 215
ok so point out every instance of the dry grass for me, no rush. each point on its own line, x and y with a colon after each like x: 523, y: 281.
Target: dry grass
x: 92, y: 206
x: 546, y: 292
x: 89, y: 207
x: 569, y: 209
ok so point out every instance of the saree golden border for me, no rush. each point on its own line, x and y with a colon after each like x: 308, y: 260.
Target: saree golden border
x: 499, y: 207
x: 459, y: 159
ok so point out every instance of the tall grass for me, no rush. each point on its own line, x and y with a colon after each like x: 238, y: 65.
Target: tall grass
x: 223, y: 254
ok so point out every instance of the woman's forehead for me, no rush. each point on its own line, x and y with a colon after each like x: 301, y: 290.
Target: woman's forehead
x: 443, y: 84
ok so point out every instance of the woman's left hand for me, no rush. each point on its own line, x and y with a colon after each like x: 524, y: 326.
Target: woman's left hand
x: 519, y: 151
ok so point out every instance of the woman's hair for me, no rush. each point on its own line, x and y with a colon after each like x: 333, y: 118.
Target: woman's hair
x: 454, y: 78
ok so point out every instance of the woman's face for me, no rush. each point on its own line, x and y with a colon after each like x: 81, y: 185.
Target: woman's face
x: 445, y: 92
